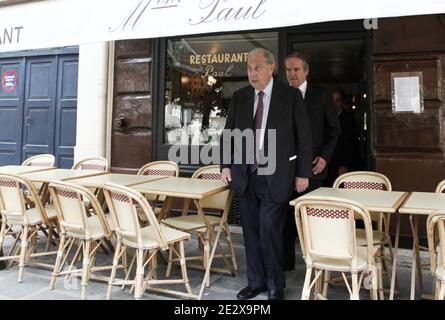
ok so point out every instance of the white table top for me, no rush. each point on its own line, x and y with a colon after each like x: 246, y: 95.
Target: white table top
x: 118, y: 178
x: 423, y: 203
x: 60, y: 174
x: 373, y: 200
x: 23, y: 169
x: 182, y: 187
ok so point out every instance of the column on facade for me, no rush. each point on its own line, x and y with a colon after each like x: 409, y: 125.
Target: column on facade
x: 92, y: 101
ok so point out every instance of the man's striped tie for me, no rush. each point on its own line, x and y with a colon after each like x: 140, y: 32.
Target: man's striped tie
x: 257, y: 128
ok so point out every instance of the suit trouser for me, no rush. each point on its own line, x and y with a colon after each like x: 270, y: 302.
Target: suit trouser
x: 262, y: 219
x: 290, y: 229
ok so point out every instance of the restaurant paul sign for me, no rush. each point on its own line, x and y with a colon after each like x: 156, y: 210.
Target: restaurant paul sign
x: 56, y: 23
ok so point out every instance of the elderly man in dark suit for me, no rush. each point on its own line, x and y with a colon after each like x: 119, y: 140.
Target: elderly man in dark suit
x: 325, y: 132
x: 276, y: 117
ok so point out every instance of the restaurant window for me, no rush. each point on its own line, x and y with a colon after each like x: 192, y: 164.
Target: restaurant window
x: 202, y: 73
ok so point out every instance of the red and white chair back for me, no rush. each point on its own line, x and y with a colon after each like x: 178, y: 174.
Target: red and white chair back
x: 123, y: 203
x: 218, y: 201
x: 72, y: 214
x: 363, y: 180
x: 96, y: 163
x: 160, y: 168
x: 12, y: 199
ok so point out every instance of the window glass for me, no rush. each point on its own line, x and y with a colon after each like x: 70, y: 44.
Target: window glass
x: 201, y: 75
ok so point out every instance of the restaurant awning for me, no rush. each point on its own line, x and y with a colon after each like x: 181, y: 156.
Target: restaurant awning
x: 56, y: 23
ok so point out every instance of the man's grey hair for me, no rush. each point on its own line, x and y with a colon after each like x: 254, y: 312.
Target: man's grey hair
x: 301, y: 56
x: 268, y: 56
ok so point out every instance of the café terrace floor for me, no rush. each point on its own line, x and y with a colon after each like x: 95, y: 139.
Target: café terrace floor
x: 223, y: 286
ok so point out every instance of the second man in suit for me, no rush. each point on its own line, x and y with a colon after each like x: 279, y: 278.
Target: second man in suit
x: 325, y: 132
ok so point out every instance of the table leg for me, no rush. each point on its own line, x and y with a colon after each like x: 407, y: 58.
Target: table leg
x: 414, y: 222
x: 2, y: 263
x: 417, y: 263
x: 165, y: 207
x: 394, y: 260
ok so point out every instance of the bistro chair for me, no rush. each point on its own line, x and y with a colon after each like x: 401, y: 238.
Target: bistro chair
x: 162, y: 169
x: 147, y: 241
x: 436, y: 243
x: 440, y: 187
x: 78, y: 226
x: 329, y: 243
x: 42, y: 160
x: 373, y: 181
x: 203, y: 226
x: 15, y: 211
x: 96, y: 163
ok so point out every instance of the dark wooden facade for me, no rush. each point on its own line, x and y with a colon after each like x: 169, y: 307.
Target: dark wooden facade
x: 132, y: 108
x: 409, y: 148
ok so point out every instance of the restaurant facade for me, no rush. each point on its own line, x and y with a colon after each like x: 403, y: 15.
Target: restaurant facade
x: 138, y: 97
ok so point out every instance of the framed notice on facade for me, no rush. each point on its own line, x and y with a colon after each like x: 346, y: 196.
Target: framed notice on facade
x: 407, y: 92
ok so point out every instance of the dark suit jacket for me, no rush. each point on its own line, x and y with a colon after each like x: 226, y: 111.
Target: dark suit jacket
x: 324, y: 123
x: 288, y: 116
x: 344, y: 152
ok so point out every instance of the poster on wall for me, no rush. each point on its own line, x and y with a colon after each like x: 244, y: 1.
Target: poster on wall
x: 407, y: 92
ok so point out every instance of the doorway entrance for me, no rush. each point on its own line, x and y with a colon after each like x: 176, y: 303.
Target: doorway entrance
x: 338, y: 54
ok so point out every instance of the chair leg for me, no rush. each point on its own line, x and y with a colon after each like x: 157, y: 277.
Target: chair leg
x: 184, y: 267
x: 85, y: 268
x: 49, y: 238
x: 169, y: 264
x: 130, y: 267
x: 355, y: 289
x: 437, y: 289
x: 230, y: 246
x: 305, y: 294
x: 318, y: 285
x: 139, y: 279
x: 442, y: 291
x: 23, y: 246
x: 2, y: 236
x: 207, y: 254
x: 327, y: 278
x: 374, y: 283
x: 117, y: 253
x: 380, y: 278
x: 58, y: 262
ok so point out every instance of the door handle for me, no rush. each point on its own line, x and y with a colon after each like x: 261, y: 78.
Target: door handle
x: 28, y: 121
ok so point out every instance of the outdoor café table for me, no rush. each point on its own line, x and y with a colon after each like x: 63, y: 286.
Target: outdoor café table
x: 127, y: 180
x: 57, y: 174
x: 418, y: 204
x: 373, y: 200
x: 98, y: 181
x: 186, y: 188
x: 23, y: 169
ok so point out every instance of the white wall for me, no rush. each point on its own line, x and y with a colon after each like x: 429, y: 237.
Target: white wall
x: 92, y: 101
